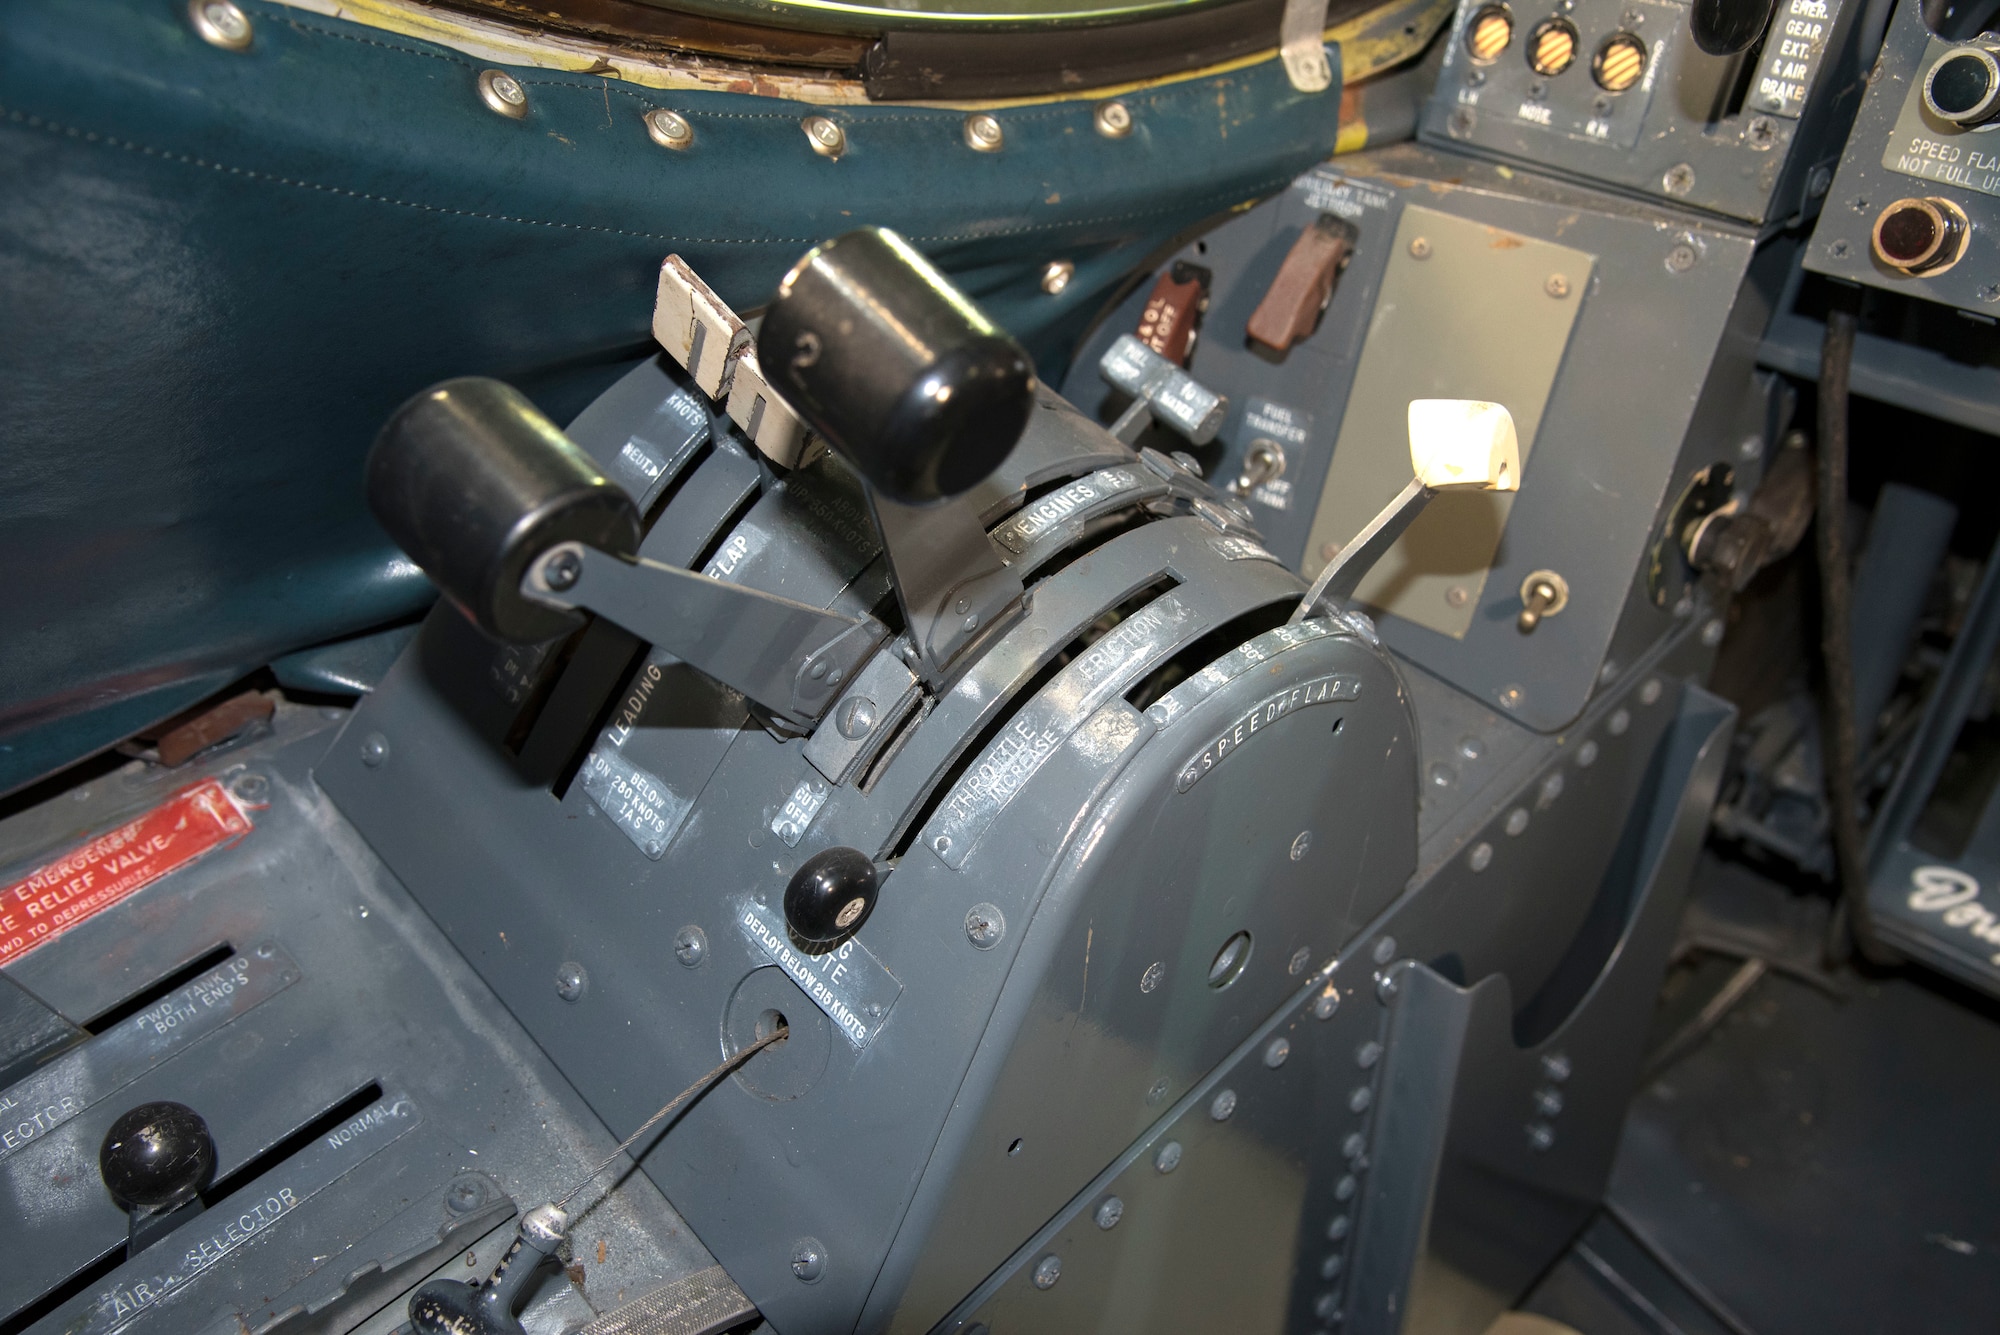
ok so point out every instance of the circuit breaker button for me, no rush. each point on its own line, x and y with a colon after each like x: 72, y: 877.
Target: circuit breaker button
x: 1292, y: 304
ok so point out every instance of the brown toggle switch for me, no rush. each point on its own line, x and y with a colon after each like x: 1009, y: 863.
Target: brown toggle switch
x: 1172, y: 315
x: 1291, y: 306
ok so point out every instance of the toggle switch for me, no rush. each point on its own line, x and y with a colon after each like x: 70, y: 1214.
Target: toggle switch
x: 1292, y: 304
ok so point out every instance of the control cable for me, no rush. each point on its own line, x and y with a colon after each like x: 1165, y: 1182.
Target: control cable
x: 1840, y: 759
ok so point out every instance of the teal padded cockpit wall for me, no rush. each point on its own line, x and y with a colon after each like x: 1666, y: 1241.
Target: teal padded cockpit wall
x: 220, y: 271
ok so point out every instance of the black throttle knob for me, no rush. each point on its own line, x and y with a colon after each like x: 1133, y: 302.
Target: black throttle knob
x: 156, y: 1157
x: 895, y: 367
x: 831, y: 894
x: 474, y: 483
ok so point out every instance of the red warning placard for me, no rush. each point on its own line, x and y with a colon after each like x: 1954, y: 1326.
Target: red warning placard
x: 87, y: 880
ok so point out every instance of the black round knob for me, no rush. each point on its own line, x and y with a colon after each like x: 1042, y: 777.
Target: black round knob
x: 895, y: 367
x: 1724, y: 27
x: 474, y: 483
x: 157, y: 1156
x: 831, y: 894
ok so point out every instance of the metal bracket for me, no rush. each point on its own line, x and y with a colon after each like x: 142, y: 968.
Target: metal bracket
x: 1302, y: 45
x: 950, y: 578
x: 788, y: 657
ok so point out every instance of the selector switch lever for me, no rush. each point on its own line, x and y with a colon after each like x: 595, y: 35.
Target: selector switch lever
x: 156, y: 1160
x: 1160, y: 392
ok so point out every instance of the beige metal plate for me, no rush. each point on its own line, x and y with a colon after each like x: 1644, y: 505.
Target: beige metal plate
x: 1470, y: 313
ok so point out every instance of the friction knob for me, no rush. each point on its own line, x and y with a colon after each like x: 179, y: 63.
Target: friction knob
x: 831, y: 894
x: 156, y: 1157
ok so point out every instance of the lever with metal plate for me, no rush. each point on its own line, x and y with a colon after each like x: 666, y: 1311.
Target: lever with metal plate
x: 1160, y: 392
x: 519, y: 527
x: 1455, y: 445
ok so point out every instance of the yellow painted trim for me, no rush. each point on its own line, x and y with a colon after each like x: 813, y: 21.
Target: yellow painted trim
x: 1363, y: 52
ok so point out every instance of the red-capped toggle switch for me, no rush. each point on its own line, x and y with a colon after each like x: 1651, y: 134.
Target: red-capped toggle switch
x: 1172, y: 316
x: 1292, y: 304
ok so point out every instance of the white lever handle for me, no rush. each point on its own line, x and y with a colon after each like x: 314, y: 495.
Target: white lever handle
x: 1464, y: 445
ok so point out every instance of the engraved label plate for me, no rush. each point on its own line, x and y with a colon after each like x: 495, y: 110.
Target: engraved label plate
x: 1318, y: 691
x: 649, y: 812
x: 848, y: 983
x: 1234, y: 664
x: 741, y: 545
x: 799, y: 809
x: 167, y: 1269
x: 1127, y: 650
x: 1081, y: 500
x: 80, y: 1077
x: 1791, y: 57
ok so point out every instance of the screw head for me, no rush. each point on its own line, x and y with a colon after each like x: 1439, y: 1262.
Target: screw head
x: 1368, y: 1054
x: 1109, y: 1211
x: 1761, y: 132
x: 221, y: 24
x: 1682, y: 258
x: 808, y: 1260
x: 1301, y: 957
x: 1711, y: 633
x: 1276, y: 1051
x: 249, y: 787
x: 1517, y: 822
x: 857, y: 718
x: 1511, y: 697
x: 570, y: 980
x: 1358, y: 1101
x: 691, y: 946
x: 1151, y: 979
x: 1326, y: 1003
x: 1114, y: 120
x: 562, y: 569
x: 1548, y: 1101
x: 1301, y: 845
x: 1619, y: 721
x: 1541, y: 1136
x: 1460, y: 123
x: 1556, y: 286
x: 983, y: 133
x: 1838, y: 248
x: 1056, y: 275
x: 1420, y: 248
x: 826, y: 137
x: 985, y: 925
x: 669, y: 129
x: 1385, y: 949
x: 374, y: 750
x: 1047, y: 1271
x: 1678, y: 180
x: 1386, y: 987
x: 466, y: 1194
x: 1223, y: 1105
x: 1551, y: 789
x: 1555, y: 1065
x: 1167, y: 1157
x: 1481, y: 856
x: 1457, y: 595
x: 502, y: 93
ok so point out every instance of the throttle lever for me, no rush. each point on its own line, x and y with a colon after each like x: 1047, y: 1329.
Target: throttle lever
x: 1455, y: 445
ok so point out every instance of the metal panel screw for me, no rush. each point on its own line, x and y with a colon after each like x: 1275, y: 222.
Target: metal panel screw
x: 808, y: 1259
x: 1517, y: 821
x: 1556, y: 286
x: 1109, y: 1211
x: 249, y: 786
x: 669, y: 129
x: 1682, y: 258
x: 1471, y: 748
x: 502, y: 92
x: 1678, y: 180
x: 1457, y: 595
x: 374, y: 750
x: 1552, y: 788
x: 1481, y: 857
x: 1761, y: 132
x: 1555, y: 1065
x: 826, y: 137
x: 1358, y: 1101
x: 1541, y: 1136
x: 1649, y: 692
x: 1302, y: 844
x: 1344, y: 1189
x: 1114, y: 120
x: 1167, y: 1157
x: 985, y: 925
x: 1326, y: 1003
x: 466, y: 1194
x: 1586, y: 755
x: 1327, y: 1309
x: 1385, y: 950
x: 1298, y: 962
x: 1354, y: 1146
x: 1711, y: 634
x: 857, y: 718
x: 266, y: 949
x: 1368, y: 1054
x: 1156, y: 1092
x: 1460, y: 123
x: 570, y: 980
x: 1620, y: 720
x: 1548, y: 1101
x: 1056, y: 275
x: 1222, y: 1105
x: 983, y: 133
x: 1442, y: 775
x: 1420, y: 247
x: 1151, y: 978
x: 1276, y: 1051
x: 1330, y: 1267
x: 220, y: 23
x: 1511, y: 697
x: 1047, y: 1271
x: 691, y: 946
x: 1838, y: 249
x: 562, y: 569
x: 1990, y: 292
